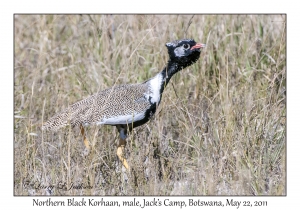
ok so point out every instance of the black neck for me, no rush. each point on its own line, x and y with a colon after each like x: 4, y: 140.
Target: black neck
x: 171, y: 69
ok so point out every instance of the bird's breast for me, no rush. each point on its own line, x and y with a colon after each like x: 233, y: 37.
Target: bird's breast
x: 153, y: 95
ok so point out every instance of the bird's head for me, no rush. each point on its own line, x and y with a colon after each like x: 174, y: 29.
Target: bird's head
x: 185, y: 51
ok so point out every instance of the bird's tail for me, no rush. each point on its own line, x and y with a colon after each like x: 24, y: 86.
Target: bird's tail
x: 57, y: 121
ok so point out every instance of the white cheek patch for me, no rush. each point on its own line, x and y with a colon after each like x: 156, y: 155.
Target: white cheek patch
x: 179, y: 52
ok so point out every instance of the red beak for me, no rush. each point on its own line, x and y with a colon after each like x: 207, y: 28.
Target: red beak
x: 198, y: 46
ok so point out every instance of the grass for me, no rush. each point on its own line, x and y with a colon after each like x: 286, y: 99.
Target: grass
x: 220, y: 128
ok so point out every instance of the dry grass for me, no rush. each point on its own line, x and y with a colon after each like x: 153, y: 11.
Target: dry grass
x: 220, y: 128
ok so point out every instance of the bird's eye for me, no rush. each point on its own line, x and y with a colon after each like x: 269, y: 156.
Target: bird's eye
x: 186, y: 46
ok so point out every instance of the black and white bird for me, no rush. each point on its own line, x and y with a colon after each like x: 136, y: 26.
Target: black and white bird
x: 130, y: 105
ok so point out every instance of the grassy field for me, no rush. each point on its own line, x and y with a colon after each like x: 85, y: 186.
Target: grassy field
x: 220, y: 128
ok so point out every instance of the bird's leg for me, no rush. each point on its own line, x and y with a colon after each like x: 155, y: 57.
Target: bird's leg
x: 122, y: 143
x: 120, y: 151
x: 85, y: 141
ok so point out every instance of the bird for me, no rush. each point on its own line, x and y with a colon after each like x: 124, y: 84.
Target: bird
x: 127, y: 106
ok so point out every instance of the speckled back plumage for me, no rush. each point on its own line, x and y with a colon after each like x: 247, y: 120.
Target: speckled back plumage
x: 113, y: 102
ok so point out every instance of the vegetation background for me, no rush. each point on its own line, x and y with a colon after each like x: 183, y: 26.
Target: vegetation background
x: 220, y: 128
